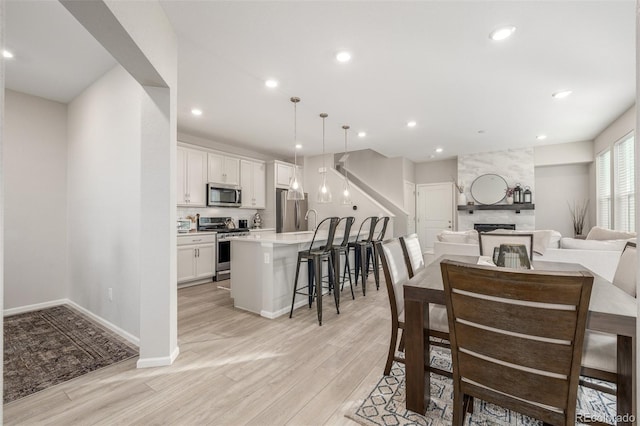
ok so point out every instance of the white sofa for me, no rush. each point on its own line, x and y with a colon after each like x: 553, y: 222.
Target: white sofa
x: 600, y: 256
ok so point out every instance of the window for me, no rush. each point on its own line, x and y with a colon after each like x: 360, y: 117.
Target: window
x: 624, y: 208
x: 603, y: 191
x: 615, y: 189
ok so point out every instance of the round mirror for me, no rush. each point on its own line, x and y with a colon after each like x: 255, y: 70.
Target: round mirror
x: 489, y: 189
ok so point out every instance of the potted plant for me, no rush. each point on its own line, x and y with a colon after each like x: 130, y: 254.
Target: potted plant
x: 509, y: 194
x: 578, y: 214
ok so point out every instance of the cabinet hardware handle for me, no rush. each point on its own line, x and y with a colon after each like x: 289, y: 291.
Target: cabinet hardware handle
x: 197, y: 240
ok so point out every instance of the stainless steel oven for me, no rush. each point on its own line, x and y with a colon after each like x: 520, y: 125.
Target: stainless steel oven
x: 225, y: 229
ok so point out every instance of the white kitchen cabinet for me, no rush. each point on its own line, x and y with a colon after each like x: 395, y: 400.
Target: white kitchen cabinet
x: 191, y: 177
x: 196, y: 257
x: 253, y: 183
x: 284, y: 172
x: 223, y: 169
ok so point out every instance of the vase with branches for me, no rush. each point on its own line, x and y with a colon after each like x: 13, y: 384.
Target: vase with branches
x: 578, y: 214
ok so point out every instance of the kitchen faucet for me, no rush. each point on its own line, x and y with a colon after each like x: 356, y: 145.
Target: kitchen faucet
x: 315, y: 222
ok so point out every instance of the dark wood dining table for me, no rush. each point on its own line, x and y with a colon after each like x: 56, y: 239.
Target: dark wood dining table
x: 611, y: 310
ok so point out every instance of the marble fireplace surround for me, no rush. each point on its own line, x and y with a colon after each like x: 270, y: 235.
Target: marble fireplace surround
x: 515, y: 166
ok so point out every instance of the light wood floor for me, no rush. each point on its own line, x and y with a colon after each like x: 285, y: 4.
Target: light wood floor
x: 234, y: 368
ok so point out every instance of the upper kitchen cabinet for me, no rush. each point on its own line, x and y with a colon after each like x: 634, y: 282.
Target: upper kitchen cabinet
x: 191, y: 177
x: 224, y: 169
x: 284, y: 172
x: 253, y: 183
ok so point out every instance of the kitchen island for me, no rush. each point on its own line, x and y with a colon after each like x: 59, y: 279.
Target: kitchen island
x: 264, y: 267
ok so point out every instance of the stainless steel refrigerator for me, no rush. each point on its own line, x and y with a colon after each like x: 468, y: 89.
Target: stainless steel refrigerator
x: 290, y: 213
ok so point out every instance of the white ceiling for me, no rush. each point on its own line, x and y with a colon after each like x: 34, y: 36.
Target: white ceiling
x: 429, y: 61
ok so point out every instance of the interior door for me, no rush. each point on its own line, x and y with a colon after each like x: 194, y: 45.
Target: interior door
x: 435, y: 211
x: 410, y: 205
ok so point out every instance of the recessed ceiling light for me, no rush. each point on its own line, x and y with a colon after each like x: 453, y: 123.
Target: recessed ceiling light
x: 541, y: 137
x: 196, y: 111
x: 502, y: 33
x: 411, y: 123
x: 439, y: 150
x: 362, y: 134
x: 271, y: 83
x: 343, y: 56
x: 6, y: 54
x: 298, y: 146
x: 561, y: 94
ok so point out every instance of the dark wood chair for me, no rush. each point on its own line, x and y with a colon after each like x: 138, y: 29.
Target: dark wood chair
x: 489, y: 240
x: 315, y: 256
x: 364, y: 239
x: 395, y: 275
x: 438, y: 323
x: 516, y: 338
x: 599, y: 356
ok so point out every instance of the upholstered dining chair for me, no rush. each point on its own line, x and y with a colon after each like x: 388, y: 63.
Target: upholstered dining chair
x: 516, y: 338
x: 489, y: 240
x: 396, y: 274
x: 412, y: 253
x: 599, y: 356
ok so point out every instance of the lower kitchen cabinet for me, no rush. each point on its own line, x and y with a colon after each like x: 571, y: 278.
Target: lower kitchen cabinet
x: 196, y: 257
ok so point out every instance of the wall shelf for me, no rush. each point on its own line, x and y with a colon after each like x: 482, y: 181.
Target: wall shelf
x: 516, y: 207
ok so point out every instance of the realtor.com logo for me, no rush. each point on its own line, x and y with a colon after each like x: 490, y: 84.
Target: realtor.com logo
x: 601, y: 418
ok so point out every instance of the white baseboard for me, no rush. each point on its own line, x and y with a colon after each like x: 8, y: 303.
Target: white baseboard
x: 28, y: 308
x: 283, y: 311
x: 158, y: 362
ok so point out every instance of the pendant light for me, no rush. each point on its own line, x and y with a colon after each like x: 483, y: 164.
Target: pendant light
x: 324, y: 193
x: 295, y: 191
x: 346, y: 189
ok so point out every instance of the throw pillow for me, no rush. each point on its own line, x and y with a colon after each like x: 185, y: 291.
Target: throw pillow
x: 599, y: 233
x: 573, y: 243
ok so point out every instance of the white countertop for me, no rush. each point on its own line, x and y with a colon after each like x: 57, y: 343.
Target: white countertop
x: 287, y: 237
x: 194, y: 232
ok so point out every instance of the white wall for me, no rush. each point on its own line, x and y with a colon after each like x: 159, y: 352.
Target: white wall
x: 563, y: 153
x: 556, y: 188
x: 104, y: 199
x: 436, y: 171
x: 367, y: 164
x: 35, y: 203
x: 620, y: 127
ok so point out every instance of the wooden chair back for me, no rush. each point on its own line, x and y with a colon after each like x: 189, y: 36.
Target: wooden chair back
x: 412, y: 254
x: 395, y: 274
x: 489, y: 240
x: 516, y: 338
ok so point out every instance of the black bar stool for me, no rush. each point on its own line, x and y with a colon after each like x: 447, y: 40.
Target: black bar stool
x: 315, y: 257
x: 359, y: 247
x: 343, y: 248
x: 372, y: 253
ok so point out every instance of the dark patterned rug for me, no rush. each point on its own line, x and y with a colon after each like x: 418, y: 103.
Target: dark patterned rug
x: 46, y: 347
x: 385, y: 405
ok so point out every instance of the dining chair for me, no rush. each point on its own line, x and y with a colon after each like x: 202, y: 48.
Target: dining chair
x: 599, y: 356
x: 315, y: 256
x: 516, y: 338
x: 396, y: 274
x: 412, y: 253
x: 490, y: 240
x: 364, y: 239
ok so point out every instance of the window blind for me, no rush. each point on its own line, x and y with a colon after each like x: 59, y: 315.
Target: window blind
x: 624, y: 207
x: 603, y: 191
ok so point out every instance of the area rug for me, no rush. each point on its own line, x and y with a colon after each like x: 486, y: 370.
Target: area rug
x: 385, y: 405
x: 49, y: 346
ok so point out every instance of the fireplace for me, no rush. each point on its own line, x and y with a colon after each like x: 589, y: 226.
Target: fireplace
x: 486, y: 227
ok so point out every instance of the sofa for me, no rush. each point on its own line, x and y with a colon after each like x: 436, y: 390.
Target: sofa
x: 599, y: 252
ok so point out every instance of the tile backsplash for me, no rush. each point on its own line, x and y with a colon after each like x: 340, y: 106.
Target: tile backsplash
x: 234, y: 213
x: 515, y: 166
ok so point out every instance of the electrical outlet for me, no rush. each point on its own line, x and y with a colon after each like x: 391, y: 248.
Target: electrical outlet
x: 322, y: 169
x: 266, y: 258
x: 110, y: 292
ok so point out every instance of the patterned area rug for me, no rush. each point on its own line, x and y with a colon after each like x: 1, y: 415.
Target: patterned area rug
x: 46, y: 347
x: 385, y: 405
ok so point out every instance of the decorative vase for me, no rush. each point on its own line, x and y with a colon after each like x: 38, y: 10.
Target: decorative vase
x: 509, y: 200
x: 462, y: 199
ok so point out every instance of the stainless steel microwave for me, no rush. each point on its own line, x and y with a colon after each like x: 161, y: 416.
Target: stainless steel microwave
x: 221, y: 195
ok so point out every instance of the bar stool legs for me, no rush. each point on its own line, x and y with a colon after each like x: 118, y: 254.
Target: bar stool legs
x: 336, y: 252
x: 314, y: 281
